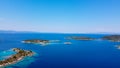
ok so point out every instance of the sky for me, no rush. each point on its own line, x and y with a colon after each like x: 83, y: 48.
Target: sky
x: 60, y: 16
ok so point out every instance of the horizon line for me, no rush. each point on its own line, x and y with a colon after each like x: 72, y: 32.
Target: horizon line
x: 16, y: 31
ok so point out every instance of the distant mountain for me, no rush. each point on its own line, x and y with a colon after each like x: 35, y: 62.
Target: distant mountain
x: 108, y: 33
x: 11, y: 31
x: 7, y: 31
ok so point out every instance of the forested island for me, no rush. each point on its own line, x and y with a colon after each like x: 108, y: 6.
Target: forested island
x: 36, y: 41
x: 80, y: 38
x: 113, y: 38
x: 20, y: 54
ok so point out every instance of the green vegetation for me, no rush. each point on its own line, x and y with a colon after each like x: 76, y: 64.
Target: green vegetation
x: 114, y: 38
x: 80, y: 38
x: 36, y: 41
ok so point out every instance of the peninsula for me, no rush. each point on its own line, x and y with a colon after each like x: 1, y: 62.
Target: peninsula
x: 20, y: 54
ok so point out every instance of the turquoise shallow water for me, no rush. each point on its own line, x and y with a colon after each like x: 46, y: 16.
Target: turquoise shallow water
x: 80, y: 54
x: 5, y: 54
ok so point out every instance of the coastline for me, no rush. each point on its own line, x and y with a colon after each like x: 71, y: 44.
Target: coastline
x: 7, y: 64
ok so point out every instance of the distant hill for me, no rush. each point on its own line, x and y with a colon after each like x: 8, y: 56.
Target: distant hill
x: 2, y: 31
x: 10, y: 31
x: 107, y: 33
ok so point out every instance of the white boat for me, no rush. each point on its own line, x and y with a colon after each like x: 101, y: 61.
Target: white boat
x: 118, y: 46
x: 67, y: 43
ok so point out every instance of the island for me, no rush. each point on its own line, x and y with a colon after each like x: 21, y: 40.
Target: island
x: 80, y: 38
x: 113, y: 38
x: 36, y: 41
x: 20, y: 54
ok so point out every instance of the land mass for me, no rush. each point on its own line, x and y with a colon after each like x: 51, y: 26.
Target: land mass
x: 36, y: 41
x: 20, y: 54
x: 113, y: 38
x: 80, y: 38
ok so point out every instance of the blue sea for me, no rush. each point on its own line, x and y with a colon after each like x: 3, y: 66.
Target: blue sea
x: 80, y: 54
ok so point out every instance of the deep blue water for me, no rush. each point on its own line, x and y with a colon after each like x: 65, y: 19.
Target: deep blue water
x: 80, y: 54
